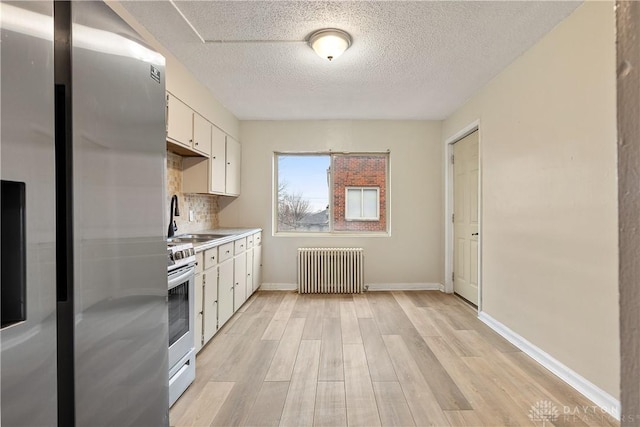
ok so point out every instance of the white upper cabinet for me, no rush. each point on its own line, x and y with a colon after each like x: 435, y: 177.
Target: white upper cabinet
x: 233, y: 167
x: 217, y: 162
x: 201, y: 135
x: 179, y: 122
x: 212, y: 158
x: 219, y: 174
x: 188, y: 131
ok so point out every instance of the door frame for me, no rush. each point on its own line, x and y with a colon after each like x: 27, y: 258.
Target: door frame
x: 449, y: 198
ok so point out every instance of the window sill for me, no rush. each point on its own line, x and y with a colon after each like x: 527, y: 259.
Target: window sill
x: 335, y: 234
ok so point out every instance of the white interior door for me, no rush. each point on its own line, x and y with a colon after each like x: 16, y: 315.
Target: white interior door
x: 465, y: 220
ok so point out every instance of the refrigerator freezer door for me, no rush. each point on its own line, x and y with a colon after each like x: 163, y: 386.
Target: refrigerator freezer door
x: 27, y: 162
x: 120, y: 282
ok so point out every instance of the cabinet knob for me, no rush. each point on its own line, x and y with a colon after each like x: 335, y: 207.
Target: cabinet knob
x: 214, y: 157
x: 191, y: 140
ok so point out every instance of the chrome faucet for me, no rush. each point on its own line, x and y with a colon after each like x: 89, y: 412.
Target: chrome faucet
x: 173, y: 210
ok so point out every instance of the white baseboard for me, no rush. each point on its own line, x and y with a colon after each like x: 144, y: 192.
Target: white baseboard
x: 591, y: 391
x: 371, y: 286
x: 279, y: 286
x: 404, y: 286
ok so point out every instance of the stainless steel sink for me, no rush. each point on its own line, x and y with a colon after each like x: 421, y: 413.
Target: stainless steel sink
x: 195, y: 238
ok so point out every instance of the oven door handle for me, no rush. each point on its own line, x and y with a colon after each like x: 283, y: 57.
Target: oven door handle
x: 176, y: 280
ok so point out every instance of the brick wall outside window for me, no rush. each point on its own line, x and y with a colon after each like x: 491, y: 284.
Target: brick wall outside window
x: 358, y: 171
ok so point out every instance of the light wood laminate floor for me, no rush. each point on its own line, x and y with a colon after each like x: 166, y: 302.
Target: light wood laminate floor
x: 376, y: 359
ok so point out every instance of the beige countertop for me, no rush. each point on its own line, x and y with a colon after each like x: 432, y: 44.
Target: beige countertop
x: 230, y: 234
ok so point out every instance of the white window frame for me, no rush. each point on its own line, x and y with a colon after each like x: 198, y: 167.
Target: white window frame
x: 331, y: 233
x: 346, y: 204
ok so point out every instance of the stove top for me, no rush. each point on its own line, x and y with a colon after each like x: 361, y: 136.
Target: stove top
x: 179, y: 255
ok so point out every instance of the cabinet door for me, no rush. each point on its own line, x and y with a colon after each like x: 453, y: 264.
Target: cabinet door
x: 199, y: 262
x: 257, y: 267
x: 210, y: 312
x: 240, y: 280
x: 249, y: 270
x: 201, y: 134
x: 198, y: 301
x: 233, y: 167
x: 217, y: 162
x: 225, y: 292
x: 179, y: 121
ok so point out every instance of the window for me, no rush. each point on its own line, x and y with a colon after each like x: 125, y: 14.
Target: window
x: 362, y: 204
x: 331, y: 193
x: 303, y: 193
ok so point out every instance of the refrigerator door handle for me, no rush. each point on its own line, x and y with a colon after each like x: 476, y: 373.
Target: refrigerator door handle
x: 63, y: 189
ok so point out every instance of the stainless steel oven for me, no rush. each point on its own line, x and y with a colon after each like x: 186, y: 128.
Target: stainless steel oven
x: 181, y: 271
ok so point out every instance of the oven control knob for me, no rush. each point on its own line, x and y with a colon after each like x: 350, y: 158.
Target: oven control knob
x: 178, y: 255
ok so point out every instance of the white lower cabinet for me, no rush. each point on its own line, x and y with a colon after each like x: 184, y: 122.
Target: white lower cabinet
x: 210, y: 311
x: 226, y: 276
x: 240, y: 280
x: 249, y: 269
x: 257, y: 267
x: 225, y: 292
x: 198, y: 301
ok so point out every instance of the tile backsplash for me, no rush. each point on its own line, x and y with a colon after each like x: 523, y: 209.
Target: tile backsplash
x: 205, y: 207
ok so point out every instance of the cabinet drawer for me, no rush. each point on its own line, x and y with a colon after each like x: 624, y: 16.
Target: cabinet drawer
x: 225, y: 252
x: 210, y: 257
x: 257, y: 238
x: 240, y: 245
x: 199, y: 263
x: 250, y: 241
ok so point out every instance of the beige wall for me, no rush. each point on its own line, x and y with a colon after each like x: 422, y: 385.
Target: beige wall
x: 412, y: 254
x: 181, y: 83
x: 549, y: 208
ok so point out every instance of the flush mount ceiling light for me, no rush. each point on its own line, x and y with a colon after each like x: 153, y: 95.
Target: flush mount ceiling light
x: 329, y: 43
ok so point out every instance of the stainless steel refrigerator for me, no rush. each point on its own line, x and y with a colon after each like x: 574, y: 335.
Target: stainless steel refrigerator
x: 83, y: 263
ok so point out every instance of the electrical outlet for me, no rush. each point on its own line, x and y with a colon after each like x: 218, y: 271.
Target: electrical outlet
x: 191, y: 215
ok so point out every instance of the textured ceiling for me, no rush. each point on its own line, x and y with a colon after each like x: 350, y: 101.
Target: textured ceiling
x: 408, y: 60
